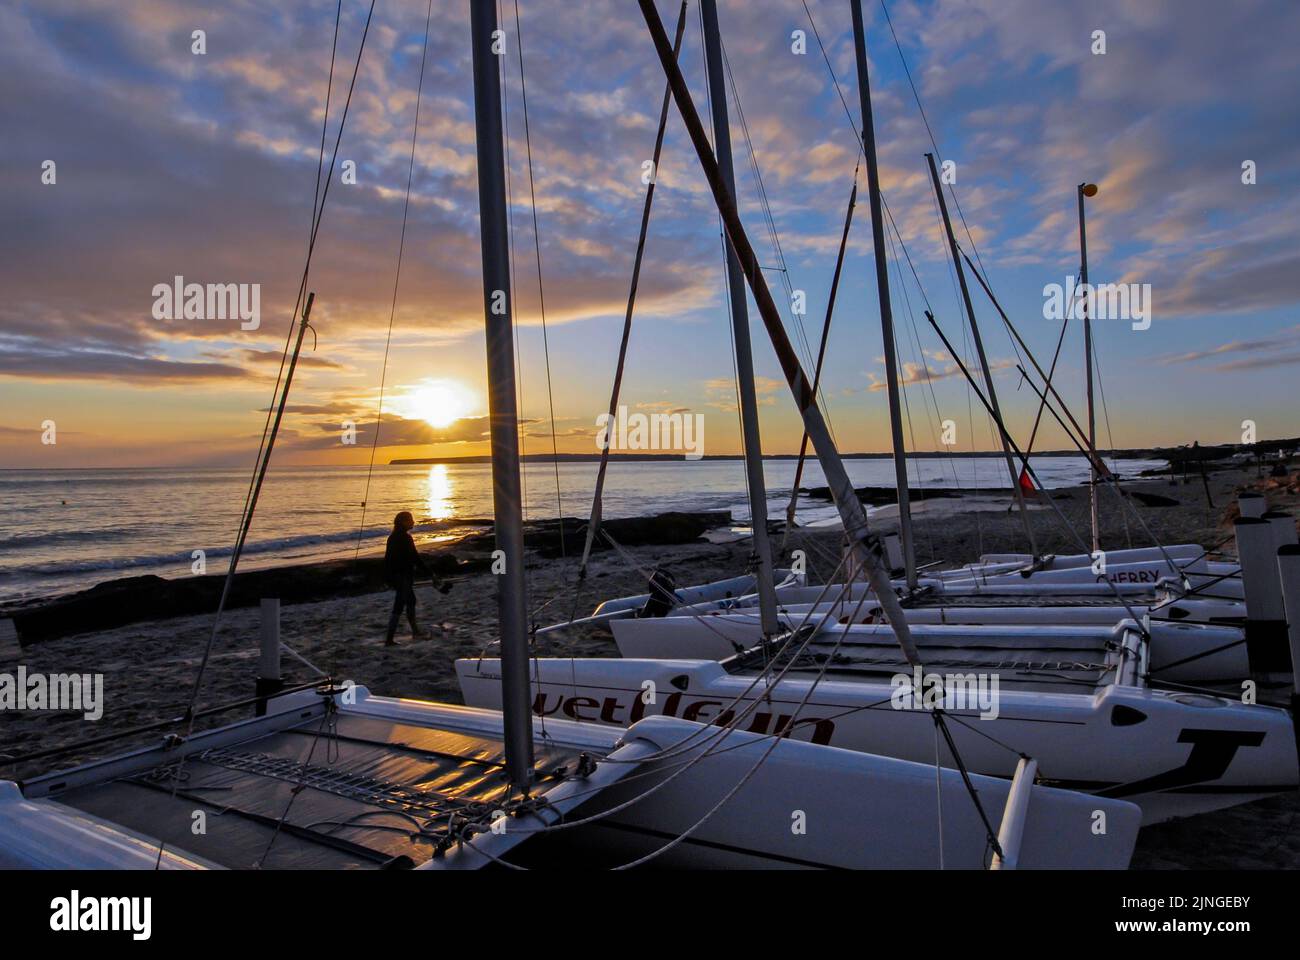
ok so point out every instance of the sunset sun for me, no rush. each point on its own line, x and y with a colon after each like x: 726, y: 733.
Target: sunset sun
x: 439, y: 403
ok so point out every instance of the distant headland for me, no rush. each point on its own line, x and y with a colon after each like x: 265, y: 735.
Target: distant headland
x: 1178, y: 454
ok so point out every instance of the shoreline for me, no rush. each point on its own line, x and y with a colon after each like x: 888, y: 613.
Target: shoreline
x: 448, y: 536
x: 49, y: 564
x: 149, y: 667
x: 122, y: 601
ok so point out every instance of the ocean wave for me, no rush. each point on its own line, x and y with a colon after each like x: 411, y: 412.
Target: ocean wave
x: 277, y: 545
x: 25, y: 541
x: 253, y: 548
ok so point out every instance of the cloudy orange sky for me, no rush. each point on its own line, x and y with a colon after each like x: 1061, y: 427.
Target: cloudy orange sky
x: 175, y: 163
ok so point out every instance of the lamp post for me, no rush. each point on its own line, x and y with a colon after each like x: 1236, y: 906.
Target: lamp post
x: 1089, y: 190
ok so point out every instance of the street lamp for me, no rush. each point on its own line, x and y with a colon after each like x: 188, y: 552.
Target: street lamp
x: 1089, y: 190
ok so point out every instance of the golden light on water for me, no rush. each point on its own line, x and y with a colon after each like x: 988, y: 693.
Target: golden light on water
x: 439, y: 505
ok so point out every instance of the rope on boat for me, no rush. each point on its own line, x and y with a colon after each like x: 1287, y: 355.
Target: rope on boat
x: 970, y: 787
x: 1194, y: 657
x: 719, y: 734
x: 938, y: 790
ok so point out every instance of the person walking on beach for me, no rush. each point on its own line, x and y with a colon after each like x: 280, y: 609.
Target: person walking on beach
x: 401, y: 561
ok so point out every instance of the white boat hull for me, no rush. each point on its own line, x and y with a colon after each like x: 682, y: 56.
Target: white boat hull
x: 1179, y: 652
x: 1172, y: 754
x: 731, y: 799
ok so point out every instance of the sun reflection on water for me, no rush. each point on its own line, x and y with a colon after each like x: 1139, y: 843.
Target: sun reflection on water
x: 439, y: 505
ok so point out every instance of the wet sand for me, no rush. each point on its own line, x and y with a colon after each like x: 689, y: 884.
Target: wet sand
x: 149, y: 668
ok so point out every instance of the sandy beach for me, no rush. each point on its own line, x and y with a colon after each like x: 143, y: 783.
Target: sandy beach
x: 149, y: 667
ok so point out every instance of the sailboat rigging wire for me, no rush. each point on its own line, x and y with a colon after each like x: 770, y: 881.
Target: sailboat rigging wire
x: 726, y: 286
x: 722, y: 733
x: 770, y: 223
x: 896, y: 233
x: 821, y: 357
x: 397, y: 277
x: 541, y: 295
x: 847, y: 112
x: 970, y: 787
x: 938, y: 788
x: 1049, y: 376
x: 956, y: 202
x: 749, y: 774
x: 328, y: 719
x: 265, y: 457
x: 329, y: 90
x: 902, y: 244
x: 1051, y: 501
x: 1110, y: 436
x: 520, y: 430
x: 1051, y: 372
x: 716, y: 735
x: 929, y: 130
x: 315, y: 201
x: 1112, y: 480
x: 794, y: 633
x: 987, y: 736
x: 926, y: 120
x: 907, y: 406
x: 640, y: 774
x: 594, y: 523
x: 929, y: 379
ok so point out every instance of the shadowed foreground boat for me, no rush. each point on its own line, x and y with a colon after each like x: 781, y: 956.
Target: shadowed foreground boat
x: 394, y: 784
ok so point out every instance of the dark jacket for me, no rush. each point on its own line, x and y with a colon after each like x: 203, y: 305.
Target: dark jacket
x: 401, y: 559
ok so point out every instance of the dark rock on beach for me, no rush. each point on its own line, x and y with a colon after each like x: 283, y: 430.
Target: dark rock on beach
x: 129, y: 600
x: 1152, y: 499
x: 135, y: 599
x: 664, y: 529
x: 880, y: 496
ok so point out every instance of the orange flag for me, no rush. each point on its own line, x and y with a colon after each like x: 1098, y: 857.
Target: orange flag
x: 1026, y: 484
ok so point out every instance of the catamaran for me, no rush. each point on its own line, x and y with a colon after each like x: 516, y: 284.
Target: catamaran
x: 1079, y: 593
x: 1080, y: 700
x: 330, y: 775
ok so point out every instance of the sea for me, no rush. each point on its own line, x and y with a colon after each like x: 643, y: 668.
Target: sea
x: 65, y: 530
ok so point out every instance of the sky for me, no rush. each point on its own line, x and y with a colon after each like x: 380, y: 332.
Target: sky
x: 168, y: 162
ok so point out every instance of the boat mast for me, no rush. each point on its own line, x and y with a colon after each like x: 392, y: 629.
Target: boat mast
x: 886, y: 308
x: 865, y: 546
x: 508, y: 509
x: 983, y: 357
x: 740, y: 330
x: 1089, y: 190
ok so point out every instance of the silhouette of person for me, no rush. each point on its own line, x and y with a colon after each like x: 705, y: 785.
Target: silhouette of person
x: 401, y: 561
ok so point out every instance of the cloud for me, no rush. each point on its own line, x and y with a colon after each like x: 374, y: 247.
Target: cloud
x: 22, y: 357
x: 393, y: 431
x: 1261, y: 352
x: 722, y: 391
x: 169, y: 164
x: 914, y: 372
